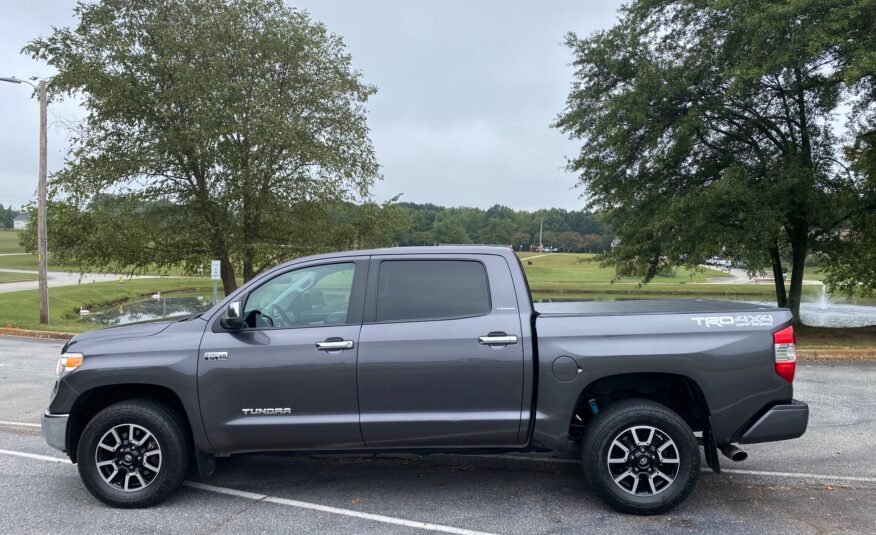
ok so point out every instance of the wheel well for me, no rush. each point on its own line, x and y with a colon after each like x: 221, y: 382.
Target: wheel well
x: 96, y: 399
x: 679, y: 393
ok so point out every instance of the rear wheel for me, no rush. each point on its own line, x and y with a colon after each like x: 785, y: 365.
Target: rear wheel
x: 133, y: 453
x: 641, y: 457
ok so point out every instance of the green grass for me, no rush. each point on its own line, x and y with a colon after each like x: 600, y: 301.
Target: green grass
x: 584, y: 268
x: 21, y: 309
x: 16, y: 277
x: 9, y: 241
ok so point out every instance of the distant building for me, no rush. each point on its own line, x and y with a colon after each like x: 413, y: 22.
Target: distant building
x: 20, y: 221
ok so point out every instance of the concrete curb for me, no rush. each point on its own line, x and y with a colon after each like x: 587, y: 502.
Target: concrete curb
x: 839, y: 354
x: 29, y: 333
x: 812, y: 355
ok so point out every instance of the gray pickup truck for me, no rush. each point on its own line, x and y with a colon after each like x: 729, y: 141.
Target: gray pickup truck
x: 426, y: 350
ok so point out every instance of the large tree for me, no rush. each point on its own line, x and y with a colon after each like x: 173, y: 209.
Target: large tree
x: 224, y: 129
x: 707, y: 129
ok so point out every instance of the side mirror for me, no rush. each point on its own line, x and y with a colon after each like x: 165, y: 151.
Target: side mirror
x: 232, y: 320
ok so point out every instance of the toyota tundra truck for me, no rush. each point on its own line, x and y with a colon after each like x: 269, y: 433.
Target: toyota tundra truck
x: 426, y: 350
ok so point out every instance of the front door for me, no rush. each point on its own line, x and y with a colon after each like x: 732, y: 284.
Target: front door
x: 440, y: 360
x: 288, y: 379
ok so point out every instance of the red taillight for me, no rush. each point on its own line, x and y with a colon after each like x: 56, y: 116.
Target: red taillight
x: 785, y: 348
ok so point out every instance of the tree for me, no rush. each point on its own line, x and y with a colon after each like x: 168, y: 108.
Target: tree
x: 449, y: 230
x: 706, y: 129
x: 227, y: 129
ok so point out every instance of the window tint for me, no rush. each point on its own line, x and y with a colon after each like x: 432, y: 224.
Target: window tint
x: 305, y: 297
x: 424, y: 289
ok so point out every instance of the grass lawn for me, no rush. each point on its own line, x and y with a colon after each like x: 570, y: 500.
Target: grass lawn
x: 583, y: 268
x: 16, y: 277
x: 21, y: 309
x: 9, y: 241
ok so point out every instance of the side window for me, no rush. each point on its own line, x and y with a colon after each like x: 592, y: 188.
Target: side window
x: 431, y: 289
x: 306, y: 297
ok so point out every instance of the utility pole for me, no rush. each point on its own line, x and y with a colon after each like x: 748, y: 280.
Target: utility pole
x: 41, y: 201
x: 540, y: 232
x: 42, y: 246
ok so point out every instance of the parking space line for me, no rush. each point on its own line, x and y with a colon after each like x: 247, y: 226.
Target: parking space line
x: 333, y: 510
x: 287, y: 502
x: 822, y: 477
x: 794, y: 475
x: 20, y: 424
x: 36, y: 456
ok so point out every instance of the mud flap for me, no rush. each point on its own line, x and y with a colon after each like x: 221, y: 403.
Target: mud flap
x: 206, y: 464
x: 711, y: 450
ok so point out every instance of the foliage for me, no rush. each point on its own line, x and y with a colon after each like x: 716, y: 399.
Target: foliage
x: 221, y: 129
x: 572, y: 231
x: 707, y: 129
x: 7, y: 215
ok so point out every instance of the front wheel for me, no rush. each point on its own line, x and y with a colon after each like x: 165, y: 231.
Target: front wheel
x: 641, y: 457
x: 133, y: 453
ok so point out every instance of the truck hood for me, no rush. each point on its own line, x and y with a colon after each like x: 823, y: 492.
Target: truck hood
x: 129, y: 330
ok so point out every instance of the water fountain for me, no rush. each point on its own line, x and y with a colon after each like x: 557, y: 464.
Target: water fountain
x: 826, y: 311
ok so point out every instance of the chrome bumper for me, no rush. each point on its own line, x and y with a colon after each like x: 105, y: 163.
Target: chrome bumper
x: 54, y: 428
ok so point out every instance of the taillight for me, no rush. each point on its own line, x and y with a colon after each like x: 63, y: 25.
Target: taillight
x: 785, y: 347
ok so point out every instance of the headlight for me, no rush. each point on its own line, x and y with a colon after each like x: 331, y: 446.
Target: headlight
x: 68, y: 362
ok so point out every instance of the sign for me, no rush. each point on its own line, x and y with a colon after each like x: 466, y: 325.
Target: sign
x: 215, y: 268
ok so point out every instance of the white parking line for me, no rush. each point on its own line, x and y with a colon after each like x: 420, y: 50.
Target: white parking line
x: 20, y: 424
x: 287, y: 502
x: 48, y: 458
x: 794, y: 475
x: 333, y: 510
x: 821, y: 477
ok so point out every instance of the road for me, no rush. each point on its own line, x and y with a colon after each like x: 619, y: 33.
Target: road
x: 62, y: 278
x: 824, y: 482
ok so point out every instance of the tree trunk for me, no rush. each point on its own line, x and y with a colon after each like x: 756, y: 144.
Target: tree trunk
x: 229, y: 283
x: 248, y: 271
x: 799, y: 239
x: 778, y: 277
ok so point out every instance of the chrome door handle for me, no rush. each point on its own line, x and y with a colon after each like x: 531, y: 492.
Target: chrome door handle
x: 497, y: 339
x: 334, y: 345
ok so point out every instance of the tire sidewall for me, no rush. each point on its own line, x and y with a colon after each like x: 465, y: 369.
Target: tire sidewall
x: 166, y: 429
x: 596, y: 449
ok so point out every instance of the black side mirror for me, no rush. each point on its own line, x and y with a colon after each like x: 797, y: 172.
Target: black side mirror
x: 232, y: 320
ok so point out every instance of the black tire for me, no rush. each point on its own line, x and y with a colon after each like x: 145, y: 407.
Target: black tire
x: 170, y: 436
x: 615, y: 422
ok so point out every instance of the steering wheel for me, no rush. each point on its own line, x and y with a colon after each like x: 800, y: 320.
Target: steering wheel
x: 288, y: 317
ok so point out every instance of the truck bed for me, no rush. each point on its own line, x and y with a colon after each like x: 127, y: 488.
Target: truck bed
x: 641, y: 306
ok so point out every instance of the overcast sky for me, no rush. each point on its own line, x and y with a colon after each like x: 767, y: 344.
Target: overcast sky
x: 466, y: 92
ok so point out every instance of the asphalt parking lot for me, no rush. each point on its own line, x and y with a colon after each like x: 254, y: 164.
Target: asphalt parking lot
x: 824, y: 482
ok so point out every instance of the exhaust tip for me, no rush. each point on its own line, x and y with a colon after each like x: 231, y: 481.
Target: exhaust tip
x: 733, y: 453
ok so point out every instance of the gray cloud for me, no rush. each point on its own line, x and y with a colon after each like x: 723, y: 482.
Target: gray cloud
x: 467, y: 90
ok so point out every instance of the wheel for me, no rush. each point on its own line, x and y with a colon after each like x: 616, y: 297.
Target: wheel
x: 133, y: 453
x: 640, y: 457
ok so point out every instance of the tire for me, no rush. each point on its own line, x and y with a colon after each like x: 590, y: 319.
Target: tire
x: 671, y: 450
x: 149, y: 477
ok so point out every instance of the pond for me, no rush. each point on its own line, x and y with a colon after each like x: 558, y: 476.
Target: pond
x: 148, y: 309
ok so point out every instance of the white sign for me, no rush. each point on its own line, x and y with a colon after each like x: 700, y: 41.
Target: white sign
x: 215, y: 267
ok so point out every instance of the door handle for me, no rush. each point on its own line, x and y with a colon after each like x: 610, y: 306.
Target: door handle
x: 334, y: 345
x: 497, y: 339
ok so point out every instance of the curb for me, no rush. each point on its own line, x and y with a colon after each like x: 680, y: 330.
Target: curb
x: 839, y: 354
x: 29, y: 333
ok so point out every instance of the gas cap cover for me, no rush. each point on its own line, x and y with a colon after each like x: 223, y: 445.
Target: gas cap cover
x: 565, y: 368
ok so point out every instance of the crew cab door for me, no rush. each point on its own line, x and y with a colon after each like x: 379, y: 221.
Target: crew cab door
x: 440, y: 355
x: 288, y: 379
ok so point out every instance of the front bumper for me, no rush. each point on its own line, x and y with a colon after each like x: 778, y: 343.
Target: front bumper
x: 781, y: 422
x: 54, y: 428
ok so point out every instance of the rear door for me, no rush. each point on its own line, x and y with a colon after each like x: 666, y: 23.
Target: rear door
x: 440, y: 356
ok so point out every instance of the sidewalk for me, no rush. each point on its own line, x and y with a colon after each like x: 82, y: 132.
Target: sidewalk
x: 61, y: 278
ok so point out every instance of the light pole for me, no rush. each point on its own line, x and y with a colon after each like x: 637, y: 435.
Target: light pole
x: 41, y: 201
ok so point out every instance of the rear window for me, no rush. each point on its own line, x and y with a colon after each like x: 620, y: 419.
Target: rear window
x: 410, y: 290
